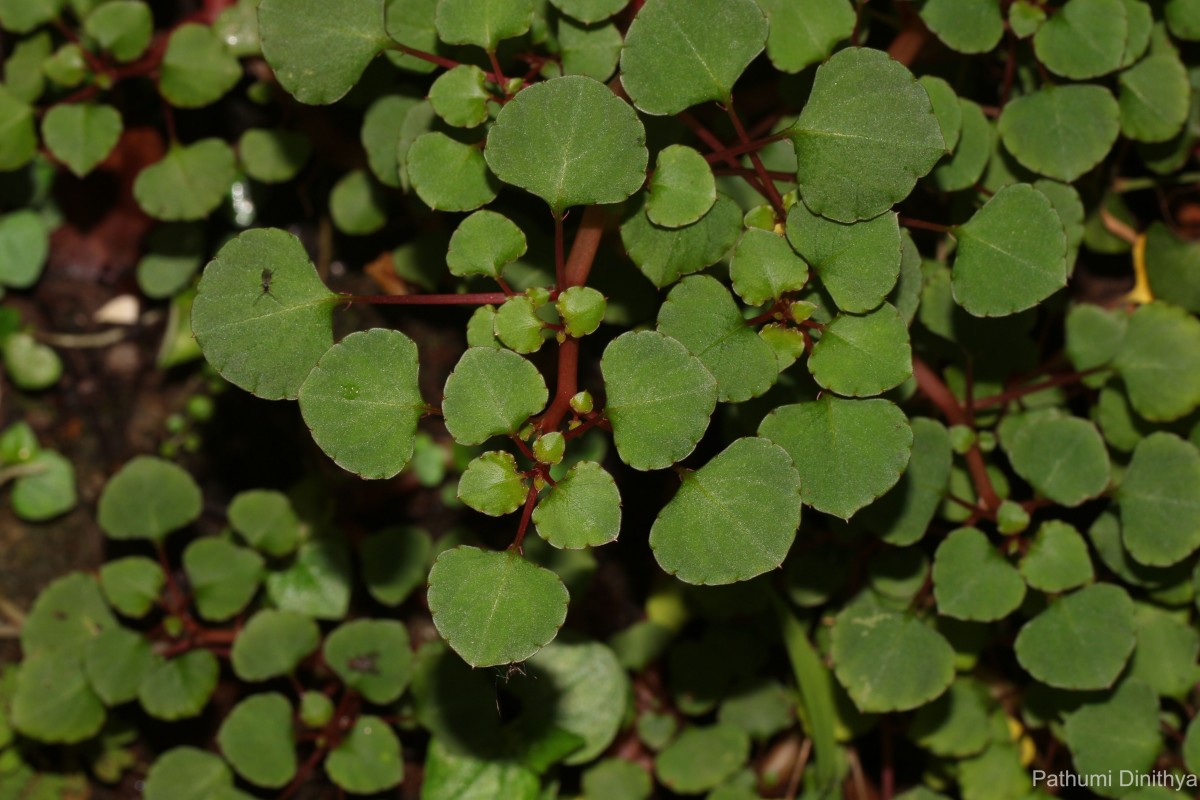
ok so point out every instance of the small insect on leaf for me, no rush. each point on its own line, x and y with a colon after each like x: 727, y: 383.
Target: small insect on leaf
x: 267, y: 276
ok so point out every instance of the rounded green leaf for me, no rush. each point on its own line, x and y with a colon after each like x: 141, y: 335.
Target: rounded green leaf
x: 132, y: 584
x: 224, y: 577
x: 449, y: 175
x: 491, y: 392
x: 1094, y: 335
x: 591, y: 50
x: 116, y: 662
x: 732, y: 519
x: 1063, y: 458
x: 381, y: 133
x: 372, y: 657
x: 972, y: 581
x: 242, y: 327
x: 459, y: 96
x: 179, y: 688
x: 964, y: 167
x: 494, y: 607
x: 847, y: 452
x: 1167, y: 652
x: 616, y: 777
x: 701, y: 314
x: 492, y: 484
x: 368, y: 760
x: 1172, y: 268
x: 187, y: 773
x: 356, y: 204
x: 453, y: 773
x: 589, y: 10
x: 664, y: 254
x: 1154, y: 97
x: 317, y: 582
x: 801, y: 35
x: 946, y: 107
x: 902, y: 516
x: 266, y: 520
x: 341, y: 36
x: 581, y: 309
x: 175, y: 253
x: 18, y: 136
x: 660, y: 398
x: 1160, y: 362
x: 411, y: 23
x: 148, y: 499
x: 393, y: 563
x: 52, y: 700
x: 362, y: 402
x: 919, y: 665
x: 680, y: 53
x: 22, y: 16
x: 1083, y: 39
x: 46, y: 489
x: 484, y: 23
x: 682, y: 189
x: 1159, y: 500
x: 865, y: 355
x: 256, y: 739
x: 65, y: 615
x: 24, y: 245
x: 196, y: 69
x: 1057, y: 560
x: 1183, y: 18
x: 571, y: 142
x: 955, y: 725
x: 121, y: 27
x: 1061, y: 131
x: 206, y: 167
x: 1012, y: 254
x: 859, y: 151
x: 273, y: 155
x: 858, y: 264
x: 484, y: 244
x: 1081, y: 641
x: 764, y: 266
x: 702, y: 758
x: 518, y: 325
x: 272, y: 644
x: 81, y: 135
x: 31, y: 365
x: 581, y: 510
x: 1120, y: 731
x: 968, y: 26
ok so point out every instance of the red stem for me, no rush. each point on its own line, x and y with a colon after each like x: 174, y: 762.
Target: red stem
x: 530, y: 502
x: 560, y: 264
x: 720, y: 152
x: 772, y: 192
x: 476, y: 299
x: 592, y: 422
x: 1020, y: 391
x: 744, y: 147
x: 744, y: 173
x: 909, y: 222
x: 302, y: 774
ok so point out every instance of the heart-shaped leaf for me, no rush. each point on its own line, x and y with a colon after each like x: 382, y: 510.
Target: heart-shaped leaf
x: 460, y: 97
x: 1063, y: 458
x: 256, y: 739
x: 1159, y: 500
x: 1081, y: 641
x: 52, y: 700
x: 81, y: 135
x: 272, y: 644
x: 179, y: 688
x: 491, y: 484
x: 702, y: 758
x: 116, y: 661
x: 24, y: 245
x: 1061, y: 131
x: 484, y: 244
x: 448, y: 175
x: 803, y: 35
x: 764, y: 266
x: 664, y: 254
x: 972, y: 581
x: 206, y: 167
x: 122, y: 27
x: 224, y: 577
x: 317, y: 582
x: 582, y: 510
x: 188, y: 773
x: 266, y: 520
x: 968, y: 26
x: 1154, y: 98
x: 1057, y: 560
x: 132, y: 584
x: 197, y: 70
x: 491, y: 392
x: 148, y: 499
x: 858, y: 264
x: 863, y: 355
x: 394, y: 563
x: 372, y: 657
x: 368, y: 760
x: 1083, y: 39
x: 1160, y: 362
x: 682, y: 189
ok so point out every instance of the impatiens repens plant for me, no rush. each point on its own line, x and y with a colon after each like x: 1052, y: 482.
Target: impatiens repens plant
x: 819, y: 419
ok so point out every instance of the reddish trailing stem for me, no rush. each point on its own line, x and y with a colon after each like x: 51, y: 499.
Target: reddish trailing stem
x: 530, y: 502
x: 475, y: 299
x: 772, y: 192
x: 909, y: 222
x: 1018, y: 392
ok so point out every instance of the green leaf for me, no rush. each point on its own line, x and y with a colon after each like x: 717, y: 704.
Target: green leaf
x: 342, y: 36
x: 368, y: 760
x: 362, y: 402
x: 492, y: 484
x: 484, y: 23
x: 31, y: 365
x: 24, y: 245
x: 919, y: 666
x: 1160, y: 362
x: 411, y: 23
x: 382, y: 129
x: 393, y: 563
x: 23, y: 76
x: 115, y: 663
x: 180, y: 687
x: 571, y: 142
x: 148, y: 499
x: 65, y: 615
x: 858, y: 264
x: 764, y: 266
x: 946, y: 107
x: 660, y: 398
x: 702, y: 315
x: 272, y: 644
x: 518, y: 325
x: 47, y: 490
x: 1160, y: 502
x: 372, y: 657
x: 233, y: 317
x: 1063, y: 458
x: 968, y: 26
x: 616, y: 777
x: 964, y: 167
x: 196, y: 69
x: 274, y: 155
x: 22, y: 16
x: 582, y: 310
x: 357, y: 204
x: 459, y: 96
x: 803, y: 35
x: 132, y: 584
x: 1183, y: 19
x: 702, y: 758
x: 664, y: 254
x: 188, y: 773
x: 859, y: 153
x: 121, y: 27
x: 589, y: 10
x: 680, y: 53
x: 449, y: 175
x: 847, y: 452
x: 1061, y: 131
x: 491, y: 392
x: 1172, y: 267
x: 494, y: 608
x: 256, y: 739
x: 1012, y: 254
x: 266, y: 520
x: 174, y: 254
x: 902, y: 516
x: 484, y: 244
x: 206, y: 168
x: 317, y: 582
x: 957, y: 724
x: 1081, y: 641
x: 682, y: 189
x: 1120, y: 731
x: 581, y: 510
x: 863, y: 355
x: 972, y: 581
x: 18, y: 137
x: 732, y: 519
x: 1083, y: 39
x: 1154, y: 98
x: 1057, y: 560
x: 52, y: 700
x: 590, y: 50
x: 81, y: 135
x: 1166, y: 653
x: 450, y: 775
x: 224, y: 577
x: 1094, y: 335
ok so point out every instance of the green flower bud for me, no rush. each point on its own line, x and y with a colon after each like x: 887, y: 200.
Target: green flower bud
x: 315, y: 709
x: 582, y: 403
x: 1011, y: 518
